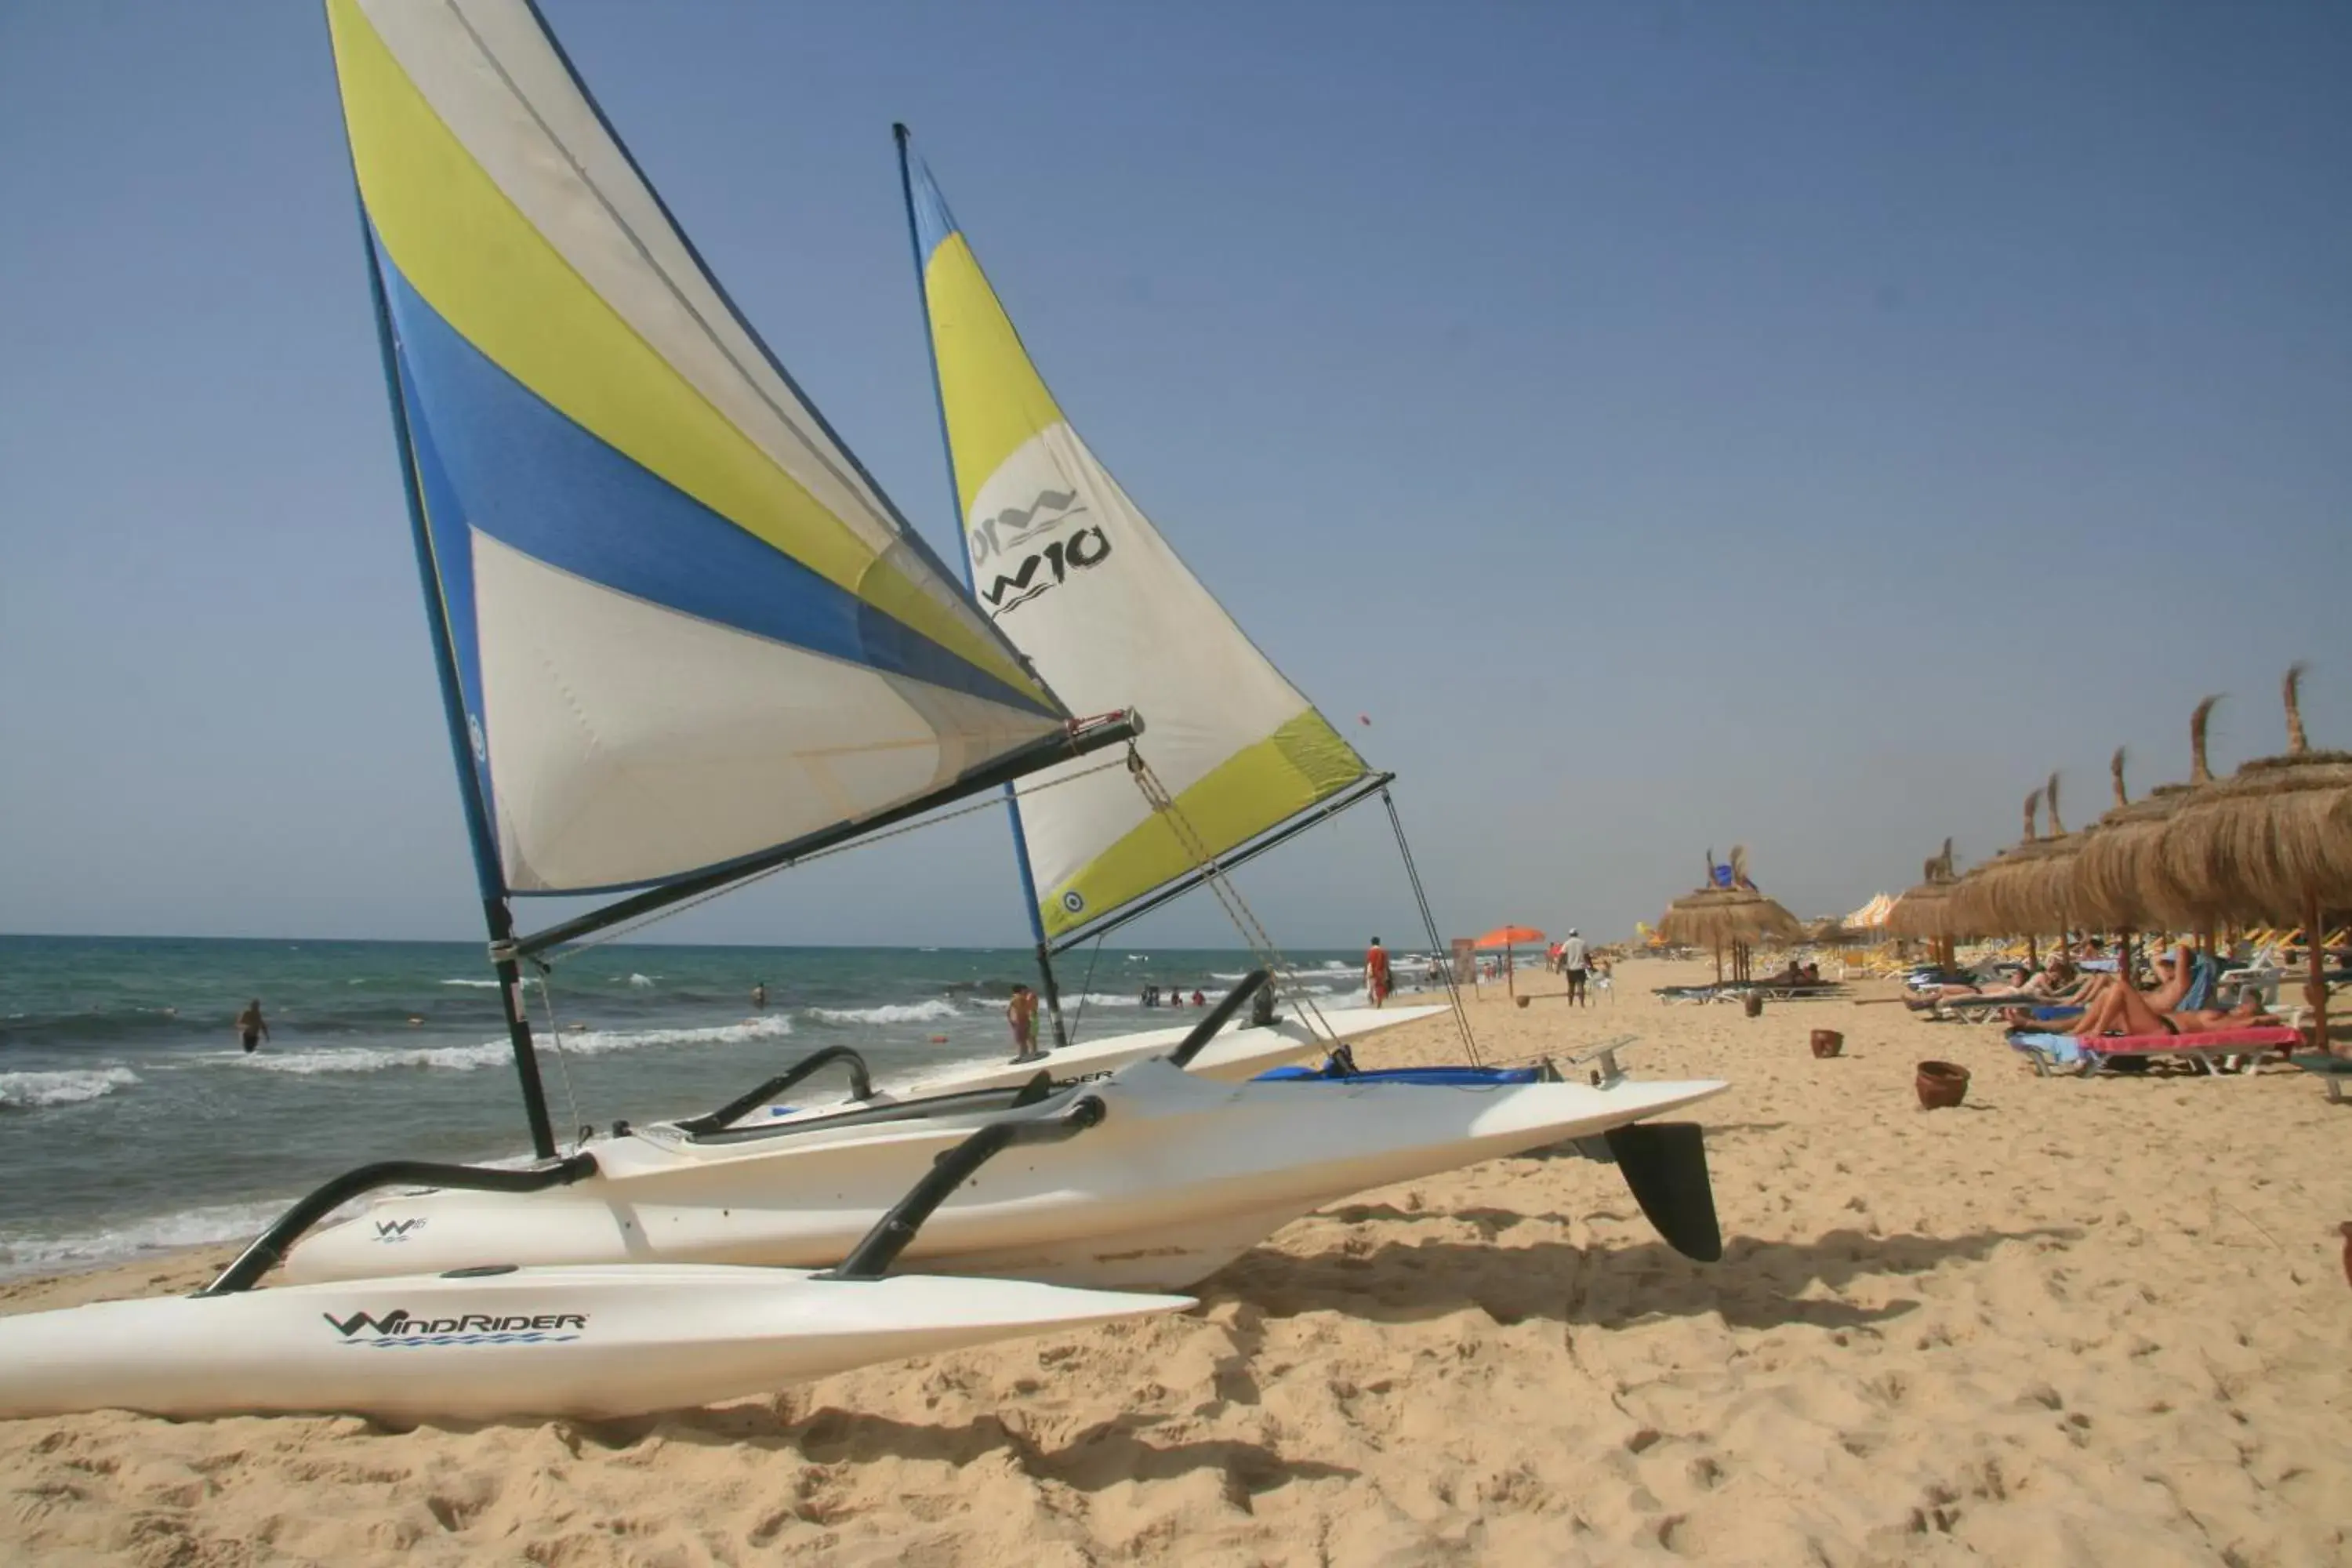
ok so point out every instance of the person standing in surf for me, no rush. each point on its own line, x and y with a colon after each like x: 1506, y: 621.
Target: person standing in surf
x: 1022, y: 1014
x: 1375, y: 973
x: 759, y: 994
x: 252, y: 1028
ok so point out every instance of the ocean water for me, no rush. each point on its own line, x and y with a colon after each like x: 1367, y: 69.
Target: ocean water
x: 131, y: 1121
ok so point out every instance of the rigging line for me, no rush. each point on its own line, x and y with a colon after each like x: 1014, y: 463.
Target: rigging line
x: 614, y: 933
x: 562, y: 1057
x: 1085, y: 986
x: 1229, y: 897
x: 1429, y: 924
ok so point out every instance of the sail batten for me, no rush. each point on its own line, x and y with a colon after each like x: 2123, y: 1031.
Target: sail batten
x: 683, y: 624
x: 1076, y: 577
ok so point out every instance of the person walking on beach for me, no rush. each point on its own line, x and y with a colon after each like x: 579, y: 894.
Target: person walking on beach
x: 1573, y: 963
x: 252, y: 1028
x: 1376, y: 971
x: 1022, y: 1014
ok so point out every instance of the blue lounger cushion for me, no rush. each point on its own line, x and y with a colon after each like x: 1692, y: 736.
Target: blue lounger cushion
x: 1455, y: 1076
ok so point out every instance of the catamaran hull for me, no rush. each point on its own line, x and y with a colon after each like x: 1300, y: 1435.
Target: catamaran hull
x: 1181, y: 1177
x: 1237, y: 1053
x: 581, y: 1342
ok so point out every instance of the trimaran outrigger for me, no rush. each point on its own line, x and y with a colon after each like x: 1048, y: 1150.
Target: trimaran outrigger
x: 684, y: 639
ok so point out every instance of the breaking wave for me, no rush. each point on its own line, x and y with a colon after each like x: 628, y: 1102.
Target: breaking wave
x: 889, y: 1013
x: 497, y: 1053
x: 36, y: 1090
x: 134, y: 1238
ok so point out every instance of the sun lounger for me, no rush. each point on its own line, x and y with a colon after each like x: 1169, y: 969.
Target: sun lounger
x: 1929, y: 976
x: 1980, y: 1008
x: 1732, y: 991
x: 1976, y: 1009
x: 2333, y: 1071
x: 1798, y: 992
x: 2089, y: 1055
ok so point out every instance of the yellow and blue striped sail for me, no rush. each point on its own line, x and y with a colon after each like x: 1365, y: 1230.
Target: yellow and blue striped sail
x: 683, y: 624
x: 1079, y: 580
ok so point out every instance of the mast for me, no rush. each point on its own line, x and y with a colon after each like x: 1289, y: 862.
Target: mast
x: 1045, y: 951
x: 496, y: 913
x: 692, y: 559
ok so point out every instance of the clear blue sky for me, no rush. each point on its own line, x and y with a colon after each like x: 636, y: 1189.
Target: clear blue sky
x: 1807, y: 424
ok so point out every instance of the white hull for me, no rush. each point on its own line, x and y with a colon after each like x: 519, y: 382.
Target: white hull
x: 595, y: 1341
x: 1181, y: 1177
x: 1240, y: 1052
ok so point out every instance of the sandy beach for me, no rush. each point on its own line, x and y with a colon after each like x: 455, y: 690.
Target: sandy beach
x: 2068, y: 1322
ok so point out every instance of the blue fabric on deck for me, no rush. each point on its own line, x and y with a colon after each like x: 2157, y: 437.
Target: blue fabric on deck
x: 2063, y: 1050
x: 1460, y: 1077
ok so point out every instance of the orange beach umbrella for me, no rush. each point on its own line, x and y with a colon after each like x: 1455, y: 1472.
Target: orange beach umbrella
x: 1507, y: 938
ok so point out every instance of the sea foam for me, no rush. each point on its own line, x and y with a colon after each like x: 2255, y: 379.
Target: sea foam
x: 37, y: 1091
x: 135, y: 1238
x: 497, y: 1053
x: 889, y: 1013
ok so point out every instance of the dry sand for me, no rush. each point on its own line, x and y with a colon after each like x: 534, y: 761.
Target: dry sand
x: 2070, y: 1322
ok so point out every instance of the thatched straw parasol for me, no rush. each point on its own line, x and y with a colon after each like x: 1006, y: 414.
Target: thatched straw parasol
x: 2045, y: 895
x: 2272, y: 841
x: 1831, y: 930
x: 1726, y: 918
x: 2021, y: 891
x: 2108, y: 878
x: 1976, y: 899
x: 1921, y: 912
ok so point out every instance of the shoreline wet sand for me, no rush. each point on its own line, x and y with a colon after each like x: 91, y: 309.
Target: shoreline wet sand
x: 2069, y: 1321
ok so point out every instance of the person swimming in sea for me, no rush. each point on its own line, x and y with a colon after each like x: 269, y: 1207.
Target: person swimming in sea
x: 252, y: 1028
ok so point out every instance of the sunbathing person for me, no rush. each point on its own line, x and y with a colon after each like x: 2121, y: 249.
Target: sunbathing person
x: 2053, y: 982
x: 2173, y: 976
x: 2121, y: 1009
